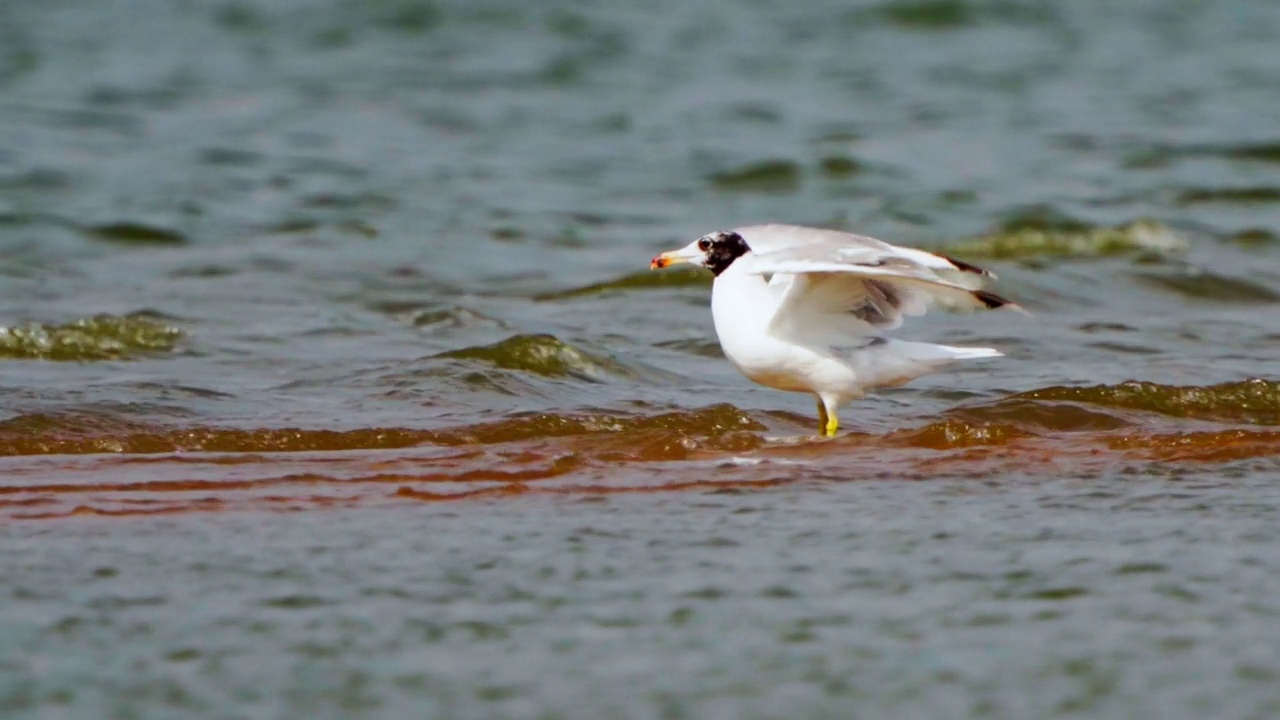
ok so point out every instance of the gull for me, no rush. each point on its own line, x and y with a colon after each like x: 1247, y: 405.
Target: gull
x: 803, y: 309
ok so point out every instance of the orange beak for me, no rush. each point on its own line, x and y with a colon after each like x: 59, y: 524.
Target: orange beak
x: 671, y: 257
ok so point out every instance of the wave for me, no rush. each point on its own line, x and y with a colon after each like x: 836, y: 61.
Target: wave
x: 108, y: 466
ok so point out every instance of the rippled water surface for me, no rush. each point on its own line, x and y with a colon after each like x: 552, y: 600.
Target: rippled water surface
x: 335, y: 385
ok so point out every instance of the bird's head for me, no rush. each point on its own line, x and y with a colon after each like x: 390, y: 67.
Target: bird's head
x: 715, y: 251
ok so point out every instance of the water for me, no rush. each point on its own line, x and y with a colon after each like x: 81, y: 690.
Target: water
x: 334, y: 383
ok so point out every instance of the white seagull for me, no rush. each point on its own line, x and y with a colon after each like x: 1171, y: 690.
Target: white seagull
x: 802, y: 309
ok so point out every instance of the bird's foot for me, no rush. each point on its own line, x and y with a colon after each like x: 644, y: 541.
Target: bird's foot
x: 827, y: 422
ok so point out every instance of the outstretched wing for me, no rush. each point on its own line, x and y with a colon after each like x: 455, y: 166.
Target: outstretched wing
x: 844, y: 246
x: 861, y: 289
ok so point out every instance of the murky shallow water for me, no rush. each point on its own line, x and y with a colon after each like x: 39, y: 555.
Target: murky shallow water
x: 334, y: 384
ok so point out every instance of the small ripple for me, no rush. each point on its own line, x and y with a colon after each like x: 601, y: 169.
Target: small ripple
x: 134, y: 233
x: 1255, y: 401
x: 927, y: 14
x: 642, y: 280
x: 1057, y: 594
x: 102, y: 337
x: 1141, y: 568
x: 1197, y: 284
x: 296, y: 602
x: 542, y: 355
x: 1020, y: 240
x: 772, y: 176
x: 1258, y: 195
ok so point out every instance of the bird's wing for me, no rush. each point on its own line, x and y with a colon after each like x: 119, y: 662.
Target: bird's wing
x: 859, y: 289
x: 771, y: 238
x: 839, y: 245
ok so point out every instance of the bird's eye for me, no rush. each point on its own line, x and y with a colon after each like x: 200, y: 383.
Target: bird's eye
x: 704, y: 244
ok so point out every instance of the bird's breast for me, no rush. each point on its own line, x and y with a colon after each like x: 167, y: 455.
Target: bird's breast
x: 742, y: 307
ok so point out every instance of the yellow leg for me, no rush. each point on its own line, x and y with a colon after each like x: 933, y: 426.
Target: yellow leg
x: 827, y: 421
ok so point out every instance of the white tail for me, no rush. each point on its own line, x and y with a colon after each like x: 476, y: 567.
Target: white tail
x: 895, y: 362
x: 970, y: 353
x: 937, y: 354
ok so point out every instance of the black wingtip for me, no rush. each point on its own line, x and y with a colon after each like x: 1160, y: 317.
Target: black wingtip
x: 963, y: 266
x: 992, y: 300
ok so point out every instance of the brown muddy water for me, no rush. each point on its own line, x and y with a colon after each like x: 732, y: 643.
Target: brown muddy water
x: 334, y: 384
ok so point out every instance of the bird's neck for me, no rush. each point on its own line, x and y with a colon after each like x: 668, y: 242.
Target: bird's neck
x: 740, y: 299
